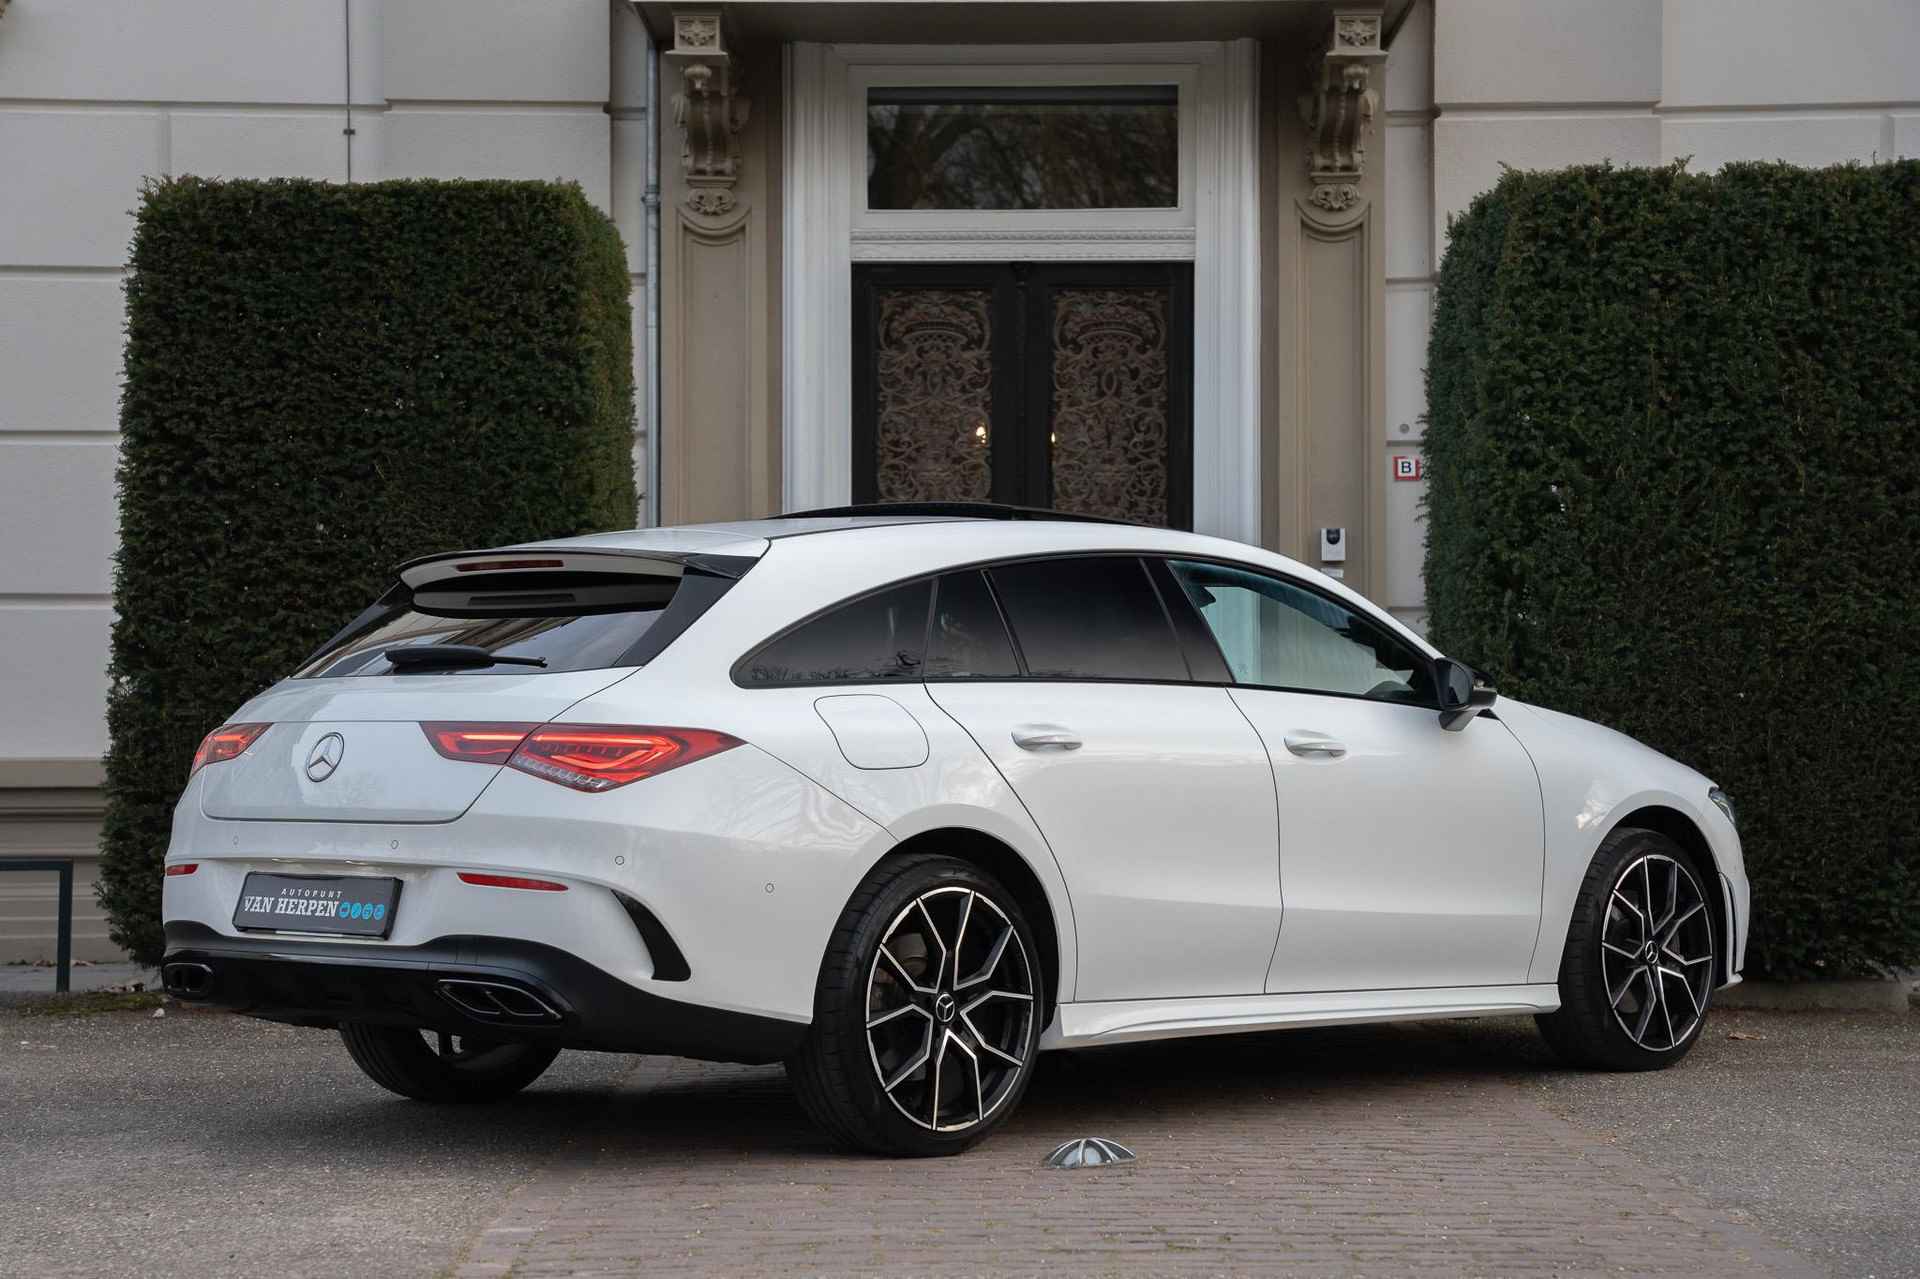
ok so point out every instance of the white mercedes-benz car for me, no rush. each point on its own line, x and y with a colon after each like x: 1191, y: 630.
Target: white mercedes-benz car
x: 904, y: 797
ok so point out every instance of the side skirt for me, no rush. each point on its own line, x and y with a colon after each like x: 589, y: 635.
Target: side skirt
x: 1124, y: 1021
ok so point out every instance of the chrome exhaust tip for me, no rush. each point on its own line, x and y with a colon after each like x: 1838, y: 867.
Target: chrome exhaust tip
x: 497, y: 1001
x: 187, y: 980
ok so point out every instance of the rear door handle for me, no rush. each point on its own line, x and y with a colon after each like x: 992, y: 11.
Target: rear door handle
x: 1314, y: 744
x: 1045, y: 737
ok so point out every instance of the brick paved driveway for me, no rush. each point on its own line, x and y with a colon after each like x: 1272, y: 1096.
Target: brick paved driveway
x: 1359, y: 1151
x: 203, y: 1145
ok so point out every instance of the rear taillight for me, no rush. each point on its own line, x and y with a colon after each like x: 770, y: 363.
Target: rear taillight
x: 588, y: 757
x: 477, y: 743
x: 183, y: 868
x: 597, y: 757
x: 224, y: 743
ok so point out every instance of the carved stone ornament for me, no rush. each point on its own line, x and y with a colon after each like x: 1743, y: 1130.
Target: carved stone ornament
x: 711, y: 202
x: 1361, y: 31
x: 1335, y: 197
x: 709, y: 111
x: 696, y: 31
x: 1340, y: 106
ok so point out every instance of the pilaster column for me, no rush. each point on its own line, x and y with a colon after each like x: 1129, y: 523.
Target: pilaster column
x: 719, y: 275
x: 1329, y: 447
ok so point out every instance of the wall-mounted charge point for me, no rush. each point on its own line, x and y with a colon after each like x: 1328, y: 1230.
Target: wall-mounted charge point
x: 1333, y: 545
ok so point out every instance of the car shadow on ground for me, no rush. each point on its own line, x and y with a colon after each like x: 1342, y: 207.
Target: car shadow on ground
x: 649, y: 1109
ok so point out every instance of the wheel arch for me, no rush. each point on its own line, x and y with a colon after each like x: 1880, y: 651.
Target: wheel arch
x: 1005, y: 864
x: 1682, y: 830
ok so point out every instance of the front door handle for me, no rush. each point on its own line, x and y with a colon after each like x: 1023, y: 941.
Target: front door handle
x: 1045, y: 737
x: 1315, y: 744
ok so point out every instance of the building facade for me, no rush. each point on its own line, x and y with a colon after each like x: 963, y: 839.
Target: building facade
x: 1169, y: 260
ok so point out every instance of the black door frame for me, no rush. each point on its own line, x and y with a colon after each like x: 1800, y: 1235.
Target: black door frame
x: 1022, y: 341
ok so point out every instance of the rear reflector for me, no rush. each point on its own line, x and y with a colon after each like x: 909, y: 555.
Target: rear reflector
x: 588, y: 757
x: 477, y: 743
x: 511, y: 881
x: 229, y: 741
x: 183, y: 868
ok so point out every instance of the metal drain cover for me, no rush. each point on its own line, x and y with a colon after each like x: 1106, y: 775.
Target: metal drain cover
x: 1089, y: 1152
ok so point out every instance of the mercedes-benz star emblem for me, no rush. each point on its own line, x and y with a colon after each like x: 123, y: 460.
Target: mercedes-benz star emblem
x: 326, y: 757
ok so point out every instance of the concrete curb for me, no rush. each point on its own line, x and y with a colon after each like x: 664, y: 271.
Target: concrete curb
x: 1804, y: 996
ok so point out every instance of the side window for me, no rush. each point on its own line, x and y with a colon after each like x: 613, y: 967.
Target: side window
x: 877, y: 637
x: 967, y: 637
x: 1088, y: 618
x: 1284, y: 636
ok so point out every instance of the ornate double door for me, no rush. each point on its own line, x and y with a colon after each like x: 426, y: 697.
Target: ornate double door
x: 1066, y: 385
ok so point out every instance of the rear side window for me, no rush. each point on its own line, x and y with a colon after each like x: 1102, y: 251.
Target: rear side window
x: 967, y: 637
x: 878, y: 637
x: 532, y: 623
x: 1088, y: 618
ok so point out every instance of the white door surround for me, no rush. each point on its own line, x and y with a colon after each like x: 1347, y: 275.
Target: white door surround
x: 1216, y: 226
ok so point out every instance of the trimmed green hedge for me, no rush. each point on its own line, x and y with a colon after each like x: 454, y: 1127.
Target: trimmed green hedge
x: 1674, y: 453
x: 322, y: 381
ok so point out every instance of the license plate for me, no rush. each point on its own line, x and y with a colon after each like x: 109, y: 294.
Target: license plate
x: 355, y: 904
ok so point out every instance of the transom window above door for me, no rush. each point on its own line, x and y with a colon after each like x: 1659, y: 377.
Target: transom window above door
x: 1023, y: 147
x: 945, y: 159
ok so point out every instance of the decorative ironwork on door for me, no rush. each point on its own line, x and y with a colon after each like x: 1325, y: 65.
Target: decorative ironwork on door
x: 1059, y: 385
x: 933, y: 395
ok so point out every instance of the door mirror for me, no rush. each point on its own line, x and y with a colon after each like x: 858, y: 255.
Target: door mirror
x: 1464, y: 693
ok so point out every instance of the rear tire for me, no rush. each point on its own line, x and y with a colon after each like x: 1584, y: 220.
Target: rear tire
x: 927, y: 1016
x: 452, y: 1069
x: 1641, y: 959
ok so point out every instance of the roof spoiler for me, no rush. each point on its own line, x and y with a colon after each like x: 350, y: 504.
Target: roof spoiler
x: 534, y: 559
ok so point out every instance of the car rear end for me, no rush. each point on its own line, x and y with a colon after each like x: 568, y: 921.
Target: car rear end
x: 410, y: 831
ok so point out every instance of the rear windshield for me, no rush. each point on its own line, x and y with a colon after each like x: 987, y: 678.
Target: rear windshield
x: 568, y: 622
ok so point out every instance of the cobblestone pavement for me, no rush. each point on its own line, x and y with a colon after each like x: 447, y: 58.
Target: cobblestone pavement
x: 203, y: 1145
x: 1376, y: 1150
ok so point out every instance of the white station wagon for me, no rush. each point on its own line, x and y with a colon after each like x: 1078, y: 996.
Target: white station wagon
x: 903, y: 797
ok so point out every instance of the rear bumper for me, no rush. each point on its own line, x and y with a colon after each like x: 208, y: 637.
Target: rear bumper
x: 744, y: 863
x: 503, y: 987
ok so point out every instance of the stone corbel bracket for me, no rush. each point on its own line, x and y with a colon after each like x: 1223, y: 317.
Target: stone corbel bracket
x: 1339, y: 109
x: 710, y: 111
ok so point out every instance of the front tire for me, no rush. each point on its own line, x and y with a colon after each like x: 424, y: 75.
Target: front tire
x: 927, y: 1015
x: 1638, y: 971
x: 450, y: 1068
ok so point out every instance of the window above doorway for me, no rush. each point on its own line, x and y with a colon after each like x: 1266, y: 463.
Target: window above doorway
x: 998, y: 147
x: 969, y: 158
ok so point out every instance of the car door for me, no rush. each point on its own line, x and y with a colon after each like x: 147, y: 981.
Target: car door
x: 1153, y: 791
x: 1409, y: 855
